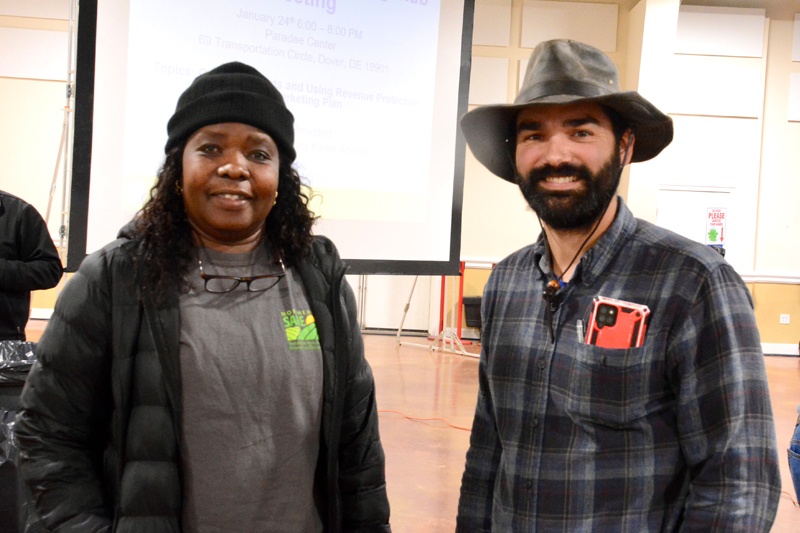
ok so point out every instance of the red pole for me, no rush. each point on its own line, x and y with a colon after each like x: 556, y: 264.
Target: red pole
x: 441, y: 308
x: 460, y: 298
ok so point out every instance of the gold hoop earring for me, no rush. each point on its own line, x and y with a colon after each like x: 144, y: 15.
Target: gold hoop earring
x: 276, y: 198
x: 178, y: 187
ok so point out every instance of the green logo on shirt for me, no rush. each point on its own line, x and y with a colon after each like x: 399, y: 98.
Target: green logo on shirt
x: 301, y: 330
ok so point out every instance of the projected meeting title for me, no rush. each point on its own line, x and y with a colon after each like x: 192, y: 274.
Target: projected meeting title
x: 330, y: 5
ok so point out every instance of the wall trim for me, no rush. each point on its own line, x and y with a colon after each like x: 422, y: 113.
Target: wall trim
x: 760, y: 276
x: 771, y: 277
x: 41, y: 314
x: 779, y: 349
x: 480, y: 263
x: 470, y: 334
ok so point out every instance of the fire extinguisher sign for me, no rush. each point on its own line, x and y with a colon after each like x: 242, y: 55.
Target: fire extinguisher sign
x: 715, y: 225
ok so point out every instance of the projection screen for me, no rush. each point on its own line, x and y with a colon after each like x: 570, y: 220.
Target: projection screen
x: 376, y: 88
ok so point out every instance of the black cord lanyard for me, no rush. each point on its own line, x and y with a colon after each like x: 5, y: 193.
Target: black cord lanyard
x: 553, y: 286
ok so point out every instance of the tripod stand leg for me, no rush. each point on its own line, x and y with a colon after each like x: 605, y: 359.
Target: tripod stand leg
x: 55, y: 172
x: 405, y: 310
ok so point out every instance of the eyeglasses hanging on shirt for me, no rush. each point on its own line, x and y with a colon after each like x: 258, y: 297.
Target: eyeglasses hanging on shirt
x: 221, y: 284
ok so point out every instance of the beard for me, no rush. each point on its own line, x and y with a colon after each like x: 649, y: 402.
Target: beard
x: 576, y: 209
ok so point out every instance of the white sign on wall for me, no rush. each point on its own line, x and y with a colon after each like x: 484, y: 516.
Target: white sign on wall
x: 37, y: 54
x: 794, y: 97
x: 720, y: 31
x: 715, y: 225
x: 796, y: 38
x: 42, y: 9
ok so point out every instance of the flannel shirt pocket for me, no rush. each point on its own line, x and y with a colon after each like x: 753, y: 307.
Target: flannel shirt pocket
x: 607, y: 386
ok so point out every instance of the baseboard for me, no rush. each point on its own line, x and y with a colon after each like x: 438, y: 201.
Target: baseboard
x: 390, y: 331
x: 470, y: 333
x: 779, y: 278
x: 41, y: 314
x: 779, y: 349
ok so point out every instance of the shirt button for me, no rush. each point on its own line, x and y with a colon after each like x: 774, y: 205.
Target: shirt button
x: 553, y: 308
x: 528, y: 485
x: 535, y: 422
x: 542, y: 364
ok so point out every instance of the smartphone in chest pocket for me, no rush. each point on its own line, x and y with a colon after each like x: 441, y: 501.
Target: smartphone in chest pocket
x: 617, y: 324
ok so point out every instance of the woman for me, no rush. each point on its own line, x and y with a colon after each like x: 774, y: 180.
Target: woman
x: 206, y: 372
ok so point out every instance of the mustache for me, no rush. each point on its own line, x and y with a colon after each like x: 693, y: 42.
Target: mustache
x: 561, y: 171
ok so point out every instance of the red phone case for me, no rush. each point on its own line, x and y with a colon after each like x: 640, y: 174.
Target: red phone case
x: 617, y: 324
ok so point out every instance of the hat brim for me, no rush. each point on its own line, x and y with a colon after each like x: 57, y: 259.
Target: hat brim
x: 491, y: 130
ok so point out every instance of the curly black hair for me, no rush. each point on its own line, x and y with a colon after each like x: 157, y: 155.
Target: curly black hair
x: 168, y: 244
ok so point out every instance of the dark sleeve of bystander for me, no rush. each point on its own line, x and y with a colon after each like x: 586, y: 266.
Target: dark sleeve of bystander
x: 28, y: 258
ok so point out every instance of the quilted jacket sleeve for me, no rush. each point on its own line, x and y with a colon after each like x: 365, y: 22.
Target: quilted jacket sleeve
x: 352, y: 454
x: 362, y: 482
x: 63, y: 424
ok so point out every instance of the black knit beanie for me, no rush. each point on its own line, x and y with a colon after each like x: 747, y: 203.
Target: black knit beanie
x: 233, y: 92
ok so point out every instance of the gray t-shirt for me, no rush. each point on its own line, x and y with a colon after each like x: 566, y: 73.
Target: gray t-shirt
x: 251, y: 370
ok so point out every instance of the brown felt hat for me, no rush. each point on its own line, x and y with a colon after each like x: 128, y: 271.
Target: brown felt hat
x: 561, y: 72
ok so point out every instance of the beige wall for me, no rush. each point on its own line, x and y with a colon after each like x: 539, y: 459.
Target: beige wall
x: 32, y: 112
x: 771, y: 301
x: 777, y: 247
x: 32, y: 115
x: 650, y: 49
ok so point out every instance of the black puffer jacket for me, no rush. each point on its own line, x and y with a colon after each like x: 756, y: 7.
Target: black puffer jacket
x: 100, y: 425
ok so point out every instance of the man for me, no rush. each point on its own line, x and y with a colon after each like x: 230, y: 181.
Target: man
x: 674, y: 434
x: 28, y: 261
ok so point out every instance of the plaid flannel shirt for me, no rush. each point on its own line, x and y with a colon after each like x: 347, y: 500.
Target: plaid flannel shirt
x: 674, y: 435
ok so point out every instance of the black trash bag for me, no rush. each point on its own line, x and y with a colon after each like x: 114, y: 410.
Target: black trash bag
x: 472, y: 312
x: 17, y: 512
x: 16, y: 360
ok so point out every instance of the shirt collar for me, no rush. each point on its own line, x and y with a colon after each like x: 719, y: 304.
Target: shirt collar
x: 598, y: 257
